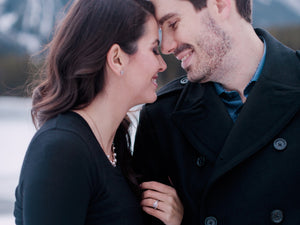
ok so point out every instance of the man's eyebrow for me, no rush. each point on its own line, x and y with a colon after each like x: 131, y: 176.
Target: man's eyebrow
x: 165, y: 18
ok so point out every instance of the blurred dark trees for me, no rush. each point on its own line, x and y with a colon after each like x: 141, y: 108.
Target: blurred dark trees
x: 17, y: 70
x: 14, y: 74
x: 290, y: 36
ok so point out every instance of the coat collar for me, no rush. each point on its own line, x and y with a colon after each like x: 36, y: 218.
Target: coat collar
x: 271, y: 105
x: 197, y: 109
x: 273, y: 101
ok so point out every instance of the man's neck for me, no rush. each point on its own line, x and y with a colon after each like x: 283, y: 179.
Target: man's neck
x: 240, y: 64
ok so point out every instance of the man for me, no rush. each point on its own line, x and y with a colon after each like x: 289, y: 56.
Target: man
x: 228, y: 138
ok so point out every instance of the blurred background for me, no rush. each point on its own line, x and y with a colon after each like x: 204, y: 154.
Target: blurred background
x: 26, y: 25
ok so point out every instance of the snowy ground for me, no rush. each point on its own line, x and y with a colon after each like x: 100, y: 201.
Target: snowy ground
x: 16, y: 131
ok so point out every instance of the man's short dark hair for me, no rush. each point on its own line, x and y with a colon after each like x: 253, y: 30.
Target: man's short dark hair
x: 244, y: 7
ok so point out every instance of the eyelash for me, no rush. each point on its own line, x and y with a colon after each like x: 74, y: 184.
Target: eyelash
x: 173, y: 25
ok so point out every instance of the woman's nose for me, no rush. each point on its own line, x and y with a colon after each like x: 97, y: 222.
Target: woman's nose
x: 162, y: 64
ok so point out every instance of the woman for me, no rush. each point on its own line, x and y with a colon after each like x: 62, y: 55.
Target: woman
x: 102, y: 61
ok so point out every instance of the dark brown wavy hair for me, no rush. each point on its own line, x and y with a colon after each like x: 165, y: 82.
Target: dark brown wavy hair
x: 73, y: 70
x: 75, y: 59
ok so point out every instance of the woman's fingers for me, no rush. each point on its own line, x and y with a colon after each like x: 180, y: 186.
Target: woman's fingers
x: 168, y: 214
x: 156, y: 213
x: 152, y: 203
x: 157, y: 204
x: 162, y: 202
x: 155, y: 195
x: 165, y: 212
x: 165, y: 202
x: 157, y: 191
x: 156, y: 186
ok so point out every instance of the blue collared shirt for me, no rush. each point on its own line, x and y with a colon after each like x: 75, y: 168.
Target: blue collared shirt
x: 232, y: 99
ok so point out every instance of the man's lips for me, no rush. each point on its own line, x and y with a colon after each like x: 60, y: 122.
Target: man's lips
x: 154, y: 80
x: 185, y: 57
x: 184, y: 53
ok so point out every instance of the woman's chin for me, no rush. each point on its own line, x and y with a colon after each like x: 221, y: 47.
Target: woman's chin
x: 152, y: 99
x: 148, y: 99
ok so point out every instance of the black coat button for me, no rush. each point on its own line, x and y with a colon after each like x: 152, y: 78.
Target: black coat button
x: 210, y: 221
x: 280, y: 144
x: 184, y: 81
x: 201, y: 161
x: 277, y: 216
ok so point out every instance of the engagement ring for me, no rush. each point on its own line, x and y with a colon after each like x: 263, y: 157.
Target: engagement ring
x: 155, y: 204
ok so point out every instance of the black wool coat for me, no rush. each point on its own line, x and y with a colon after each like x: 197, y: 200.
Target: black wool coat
x: 242, y: 173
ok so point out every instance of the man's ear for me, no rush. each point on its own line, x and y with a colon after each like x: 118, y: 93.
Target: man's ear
x: 117, y: 59
x: 220, y: 8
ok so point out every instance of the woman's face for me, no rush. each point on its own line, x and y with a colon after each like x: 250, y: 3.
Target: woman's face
x: 143, y: 66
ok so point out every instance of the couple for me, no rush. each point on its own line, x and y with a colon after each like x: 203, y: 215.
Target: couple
x: 227, y: 141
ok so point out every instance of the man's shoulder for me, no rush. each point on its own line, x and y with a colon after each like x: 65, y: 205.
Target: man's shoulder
x: 298, y: 54
x: 173, y: 87
x: 168, y: 95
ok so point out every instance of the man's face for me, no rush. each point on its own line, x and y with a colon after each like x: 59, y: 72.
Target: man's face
x: 193, y: 37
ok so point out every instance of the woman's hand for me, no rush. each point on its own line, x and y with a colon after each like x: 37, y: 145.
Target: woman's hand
x: 162, y: 202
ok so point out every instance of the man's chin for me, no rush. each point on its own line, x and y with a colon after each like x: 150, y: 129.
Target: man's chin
x: 195, y: 78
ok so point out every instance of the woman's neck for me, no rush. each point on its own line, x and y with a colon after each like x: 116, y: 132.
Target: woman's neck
x: 104, y: 116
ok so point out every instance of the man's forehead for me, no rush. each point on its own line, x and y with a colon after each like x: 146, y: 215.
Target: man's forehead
x: 165, y: 9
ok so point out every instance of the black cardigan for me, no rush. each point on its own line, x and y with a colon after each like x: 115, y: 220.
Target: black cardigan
x: 67, y: 179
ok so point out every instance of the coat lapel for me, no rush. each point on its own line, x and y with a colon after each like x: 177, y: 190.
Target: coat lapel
x: 202, y: 120
x: 272, y: 107
x: 273, y: 102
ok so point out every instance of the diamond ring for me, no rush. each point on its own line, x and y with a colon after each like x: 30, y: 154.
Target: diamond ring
x: 155, y: 204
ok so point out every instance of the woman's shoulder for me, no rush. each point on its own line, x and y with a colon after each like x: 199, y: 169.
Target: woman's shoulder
x: 63, y: 135
x: 59, y: 151
x: 69, y: 122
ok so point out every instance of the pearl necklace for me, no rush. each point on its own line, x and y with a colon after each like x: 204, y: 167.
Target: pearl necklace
x: 113, y: 161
